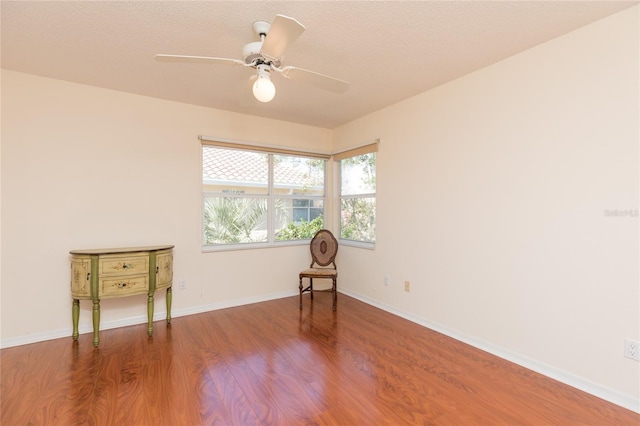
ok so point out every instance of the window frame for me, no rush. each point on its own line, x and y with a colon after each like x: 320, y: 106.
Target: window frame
x: 271, y: 195
x: 367, y: 149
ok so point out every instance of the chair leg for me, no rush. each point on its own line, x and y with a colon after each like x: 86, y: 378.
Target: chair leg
x: 334, y: 290
x: 311, y: 287
x: 300, y: 288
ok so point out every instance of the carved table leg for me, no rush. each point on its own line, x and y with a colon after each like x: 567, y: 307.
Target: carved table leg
x: 169, y: 298
x: 150, y: 314
x: 75, y: 316
x: 96, y: 323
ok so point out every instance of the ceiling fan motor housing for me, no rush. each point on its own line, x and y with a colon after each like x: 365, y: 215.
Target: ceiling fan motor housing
x: 251, y: 51
x: 251, y: 55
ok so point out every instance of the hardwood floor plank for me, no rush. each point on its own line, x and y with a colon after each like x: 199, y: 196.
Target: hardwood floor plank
x: 55, y: 387
x: 278, y: 381
x: 271, y: 364
x: 32, y: 385
x: 130, y: 407
x: 105, y: 391
x: 85, y: 365
x: 180, y: 380
x: 237, y: 369
x: 239, y: 408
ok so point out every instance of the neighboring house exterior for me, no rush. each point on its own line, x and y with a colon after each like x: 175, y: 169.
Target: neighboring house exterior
x: 241, y: 176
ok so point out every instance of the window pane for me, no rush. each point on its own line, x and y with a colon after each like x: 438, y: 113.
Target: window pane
x: 232, y: 220
x: 298, y: 223
x: 358, y: 219
x: 298, y: 175
x: 315, y: 212
x: 358, y: 174
x: 234, y: 171
x: 300, y: 214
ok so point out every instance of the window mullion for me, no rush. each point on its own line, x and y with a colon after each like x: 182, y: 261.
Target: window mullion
x: 271, y: 226
x: 368, y: 195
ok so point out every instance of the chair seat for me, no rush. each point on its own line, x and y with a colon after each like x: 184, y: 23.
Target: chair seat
x: 319, y: 272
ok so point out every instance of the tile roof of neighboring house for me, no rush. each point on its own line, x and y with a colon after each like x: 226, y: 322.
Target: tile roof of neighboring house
x: 239, y: 166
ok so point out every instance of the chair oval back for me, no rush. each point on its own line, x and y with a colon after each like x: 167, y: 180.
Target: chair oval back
x: 324, y: 248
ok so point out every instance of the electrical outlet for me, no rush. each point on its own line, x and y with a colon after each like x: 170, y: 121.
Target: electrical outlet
x: 632, y: 349
x: 407, y: 286
x: 386, y: 280
x: 182, y: 284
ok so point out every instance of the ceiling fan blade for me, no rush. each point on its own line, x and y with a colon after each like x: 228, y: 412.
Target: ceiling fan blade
x: 199, y: 59
x: 284, y: 31
x: 315, y: 79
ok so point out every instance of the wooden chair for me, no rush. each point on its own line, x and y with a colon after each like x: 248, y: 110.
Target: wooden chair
x: 324, y: 248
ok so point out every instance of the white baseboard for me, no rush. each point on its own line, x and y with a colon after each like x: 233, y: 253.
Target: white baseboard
x: 603, y: 392
x: 139, y: 319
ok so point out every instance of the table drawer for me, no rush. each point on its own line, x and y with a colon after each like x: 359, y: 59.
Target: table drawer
x: 112, y: 265
x: 123, y: 286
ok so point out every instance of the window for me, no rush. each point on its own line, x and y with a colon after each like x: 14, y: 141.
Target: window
x: 260, y: 198
x: 306, y: 210
x: 358, y: 198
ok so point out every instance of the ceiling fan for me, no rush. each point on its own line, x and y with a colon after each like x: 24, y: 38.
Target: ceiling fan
x: 266, y: 56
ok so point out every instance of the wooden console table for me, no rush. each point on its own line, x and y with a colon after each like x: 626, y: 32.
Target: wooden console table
x: 119, y: 272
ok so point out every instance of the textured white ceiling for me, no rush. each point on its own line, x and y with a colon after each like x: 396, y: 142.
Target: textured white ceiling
x: 388, y: 50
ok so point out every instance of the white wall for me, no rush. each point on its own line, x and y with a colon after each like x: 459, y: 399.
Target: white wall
x: 492, y: 192
x: 84, y: 167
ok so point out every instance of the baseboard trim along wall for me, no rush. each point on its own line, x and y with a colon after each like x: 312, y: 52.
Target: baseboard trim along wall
x: 611, y: 395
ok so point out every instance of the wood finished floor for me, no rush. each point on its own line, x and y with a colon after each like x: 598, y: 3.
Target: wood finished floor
x: 270, y: 364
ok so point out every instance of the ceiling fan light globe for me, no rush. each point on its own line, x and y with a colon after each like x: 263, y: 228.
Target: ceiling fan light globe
x: 263, y: 89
